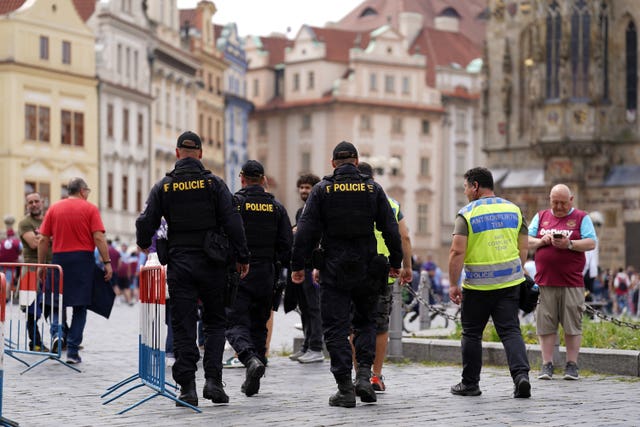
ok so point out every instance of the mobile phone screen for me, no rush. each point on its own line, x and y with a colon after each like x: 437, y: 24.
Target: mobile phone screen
x: 557, y: 236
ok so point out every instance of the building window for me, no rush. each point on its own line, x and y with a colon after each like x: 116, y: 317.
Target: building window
x: 373, y: 82
x: 119, y: 59
x: 365, y: 122
x: 461, y: 121
x: 127, y: 69
x: 632, y: 70
x: 604, y: 47
x: 396, y: 125
x: 406, y: 85
x: 66, y: 52
x: 37, y: 123
x: 554, y: 35
x: 210, y: 130
x: 125, y: 125
x: 311, y: 80
x: 218, y: 90
x: 135, y: 65
x: 140, y: 129
x: 580, y: 36
x: 110, y: 120
x: 44, y: 47
x: 125, y: 193
x: 424, y: 166
x: 110, y: 190
x: 389, y: 84
x: 71, y: 128
x: 305, y: 161
x: 296, y: 82
x: 139, y: 195
x: 167, y: 113
x: 306, y: 122
x: 423, y: 210
x: 426, y: 127
x: 42, y: 188
x: 256, y: 87
x: 218, y: 134
x: 201, y: 125
x: 210, y: 82
x: 262, y: 127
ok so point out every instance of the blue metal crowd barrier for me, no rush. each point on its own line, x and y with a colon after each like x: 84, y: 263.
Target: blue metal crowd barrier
x: 30, y: 339
x: 151, y: 341
x: 3, y: 291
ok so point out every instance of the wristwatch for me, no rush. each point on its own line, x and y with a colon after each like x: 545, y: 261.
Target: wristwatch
x: 109, y: 261
x: 570, y: 247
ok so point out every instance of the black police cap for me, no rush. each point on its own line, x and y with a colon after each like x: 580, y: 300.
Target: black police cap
x: 189, y: 140
x: 345, y: 150
x: 253, y: 169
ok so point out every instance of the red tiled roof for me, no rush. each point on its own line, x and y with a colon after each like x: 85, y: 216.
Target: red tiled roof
x: 444, y: 48
x: 7, y: 6
x: 276, y: 47
x: 85, y: 8
x: 389, y: 10
x: 338, y: 42
x: 191, y: 16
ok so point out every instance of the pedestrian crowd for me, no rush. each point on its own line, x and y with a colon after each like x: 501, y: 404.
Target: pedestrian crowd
x: 229, y: 258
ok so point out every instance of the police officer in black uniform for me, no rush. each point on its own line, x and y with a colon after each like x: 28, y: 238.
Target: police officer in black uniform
x: 340, y: 212
x: 198, y: 208
x: 269, y: 236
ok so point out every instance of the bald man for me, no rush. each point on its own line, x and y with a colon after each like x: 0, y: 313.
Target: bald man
x: 560, y: 236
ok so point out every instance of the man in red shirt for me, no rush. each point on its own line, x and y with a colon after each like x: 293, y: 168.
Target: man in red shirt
x: 76, y: 229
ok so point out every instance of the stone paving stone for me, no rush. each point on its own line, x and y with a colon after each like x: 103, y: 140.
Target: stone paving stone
x: 293, y: 394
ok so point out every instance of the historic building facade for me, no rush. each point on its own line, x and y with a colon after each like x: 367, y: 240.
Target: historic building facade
x: 122, y: 37
x: 560, y: 96
x: 49, y: 117
x: 236, y: 105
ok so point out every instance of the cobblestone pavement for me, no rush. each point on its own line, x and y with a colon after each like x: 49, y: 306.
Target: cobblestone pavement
x: 293, y: 394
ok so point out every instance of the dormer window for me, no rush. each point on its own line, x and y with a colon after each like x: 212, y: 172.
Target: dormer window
x: 369, y: 11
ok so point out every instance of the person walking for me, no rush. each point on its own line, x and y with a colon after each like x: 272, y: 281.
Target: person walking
x: 490, y: 243
x: 385, y: 299
x: 269, y: 237
x: 198, y: 208
x: 560, y: 236
x: 75, y: 227
x: 308, y: 293
x: 341, y: 211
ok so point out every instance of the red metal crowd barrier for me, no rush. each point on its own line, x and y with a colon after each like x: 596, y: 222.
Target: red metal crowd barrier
x: 151, y: 341
x: 34, y: 336
x: 3, y: 291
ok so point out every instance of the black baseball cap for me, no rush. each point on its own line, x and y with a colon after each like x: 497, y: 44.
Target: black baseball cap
x: 253, y: 169
x: 189, y: 140
x: 345, y: 150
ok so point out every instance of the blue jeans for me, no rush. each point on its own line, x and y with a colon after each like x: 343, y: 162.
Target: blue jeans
x: 76, y: 329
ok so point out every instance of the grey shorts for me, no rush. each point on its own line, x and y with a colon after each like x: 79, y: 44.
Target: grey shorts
x: 560, y: 305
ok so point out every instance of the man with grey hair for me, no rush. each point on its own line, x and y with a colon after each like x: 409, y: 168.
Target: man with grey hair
x: 76, y: 229
x: 560, y: 236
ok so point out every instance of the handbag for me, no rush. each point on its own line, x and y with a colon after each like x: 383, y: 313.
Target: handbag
x: 529, y: 294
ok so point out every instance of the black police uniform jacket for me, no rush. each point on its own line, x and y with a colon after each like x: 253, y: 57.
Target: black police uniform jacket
x: 341, y: 211
x: 193, y: 201
x: 266, y: 224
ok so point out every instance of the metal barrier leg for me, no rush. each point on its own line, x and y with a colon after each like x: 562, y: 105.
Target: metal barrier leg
x: 394, y: 351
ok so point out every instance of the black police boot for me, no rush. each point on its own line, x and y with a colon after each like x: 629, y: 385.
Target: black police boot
x: 255, y: 371
x: 364, y: 389
x: 188, y: 394
x: 213, y: 389
x: 346, y: 396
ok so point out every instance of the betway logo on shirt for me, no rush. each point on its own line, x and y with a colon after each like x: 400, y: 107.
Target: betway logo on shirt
x: 565, y: 233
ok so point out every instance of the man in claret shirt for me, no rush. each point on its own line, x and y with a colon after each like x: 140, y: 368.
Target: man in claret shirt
x: 560, y: 236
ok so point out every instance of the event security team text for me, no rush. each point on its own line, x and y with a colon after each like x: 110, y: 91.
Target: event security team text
x: 340, y: 213
x: 205, y: 233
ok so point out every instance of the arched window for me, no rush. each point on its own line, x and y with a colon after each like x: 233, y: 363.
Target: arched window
x: 632, y: 70
x: 369, y: 11
x: 554, y: 34
x: 604, y: 47
x: 580, y: 36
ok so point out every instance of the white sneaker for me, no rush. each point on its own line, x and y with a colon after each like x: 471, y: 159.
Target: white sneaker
x: 232, y: 362
x: 297, y: 355
x: 312, y: 357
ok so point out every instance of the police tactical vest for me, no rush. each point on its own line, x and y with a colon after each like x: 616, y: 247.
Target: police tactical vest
x: 190, y: 205
x: 492, y: 259
x: 260, y: 217
x: 348, y: 207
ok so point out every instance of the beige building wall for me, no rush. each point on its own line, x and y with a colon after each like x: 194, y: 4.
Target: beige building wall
x: 30, y: 83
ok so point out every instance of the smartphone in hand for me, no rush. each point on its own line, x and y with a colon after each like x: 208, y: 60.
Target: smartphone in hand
x: 558, y: 235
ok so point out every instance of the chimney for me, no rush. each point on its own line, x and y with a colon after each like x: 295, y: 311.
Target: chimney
x: 410, y: 24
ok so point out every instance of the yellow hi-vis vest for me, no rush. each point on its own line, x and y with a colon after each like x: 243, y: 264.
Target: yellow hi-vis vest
x: 492, y: 259
x: 382, y: 247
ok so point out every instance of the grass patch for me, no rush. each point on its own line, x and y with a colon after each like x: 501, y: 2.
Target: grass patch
x: 594, y: 335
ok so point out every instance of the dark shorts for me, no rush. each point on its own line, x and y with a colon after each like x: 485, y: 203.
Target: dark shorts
x: 124, y: 283
x: 382, y: 312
